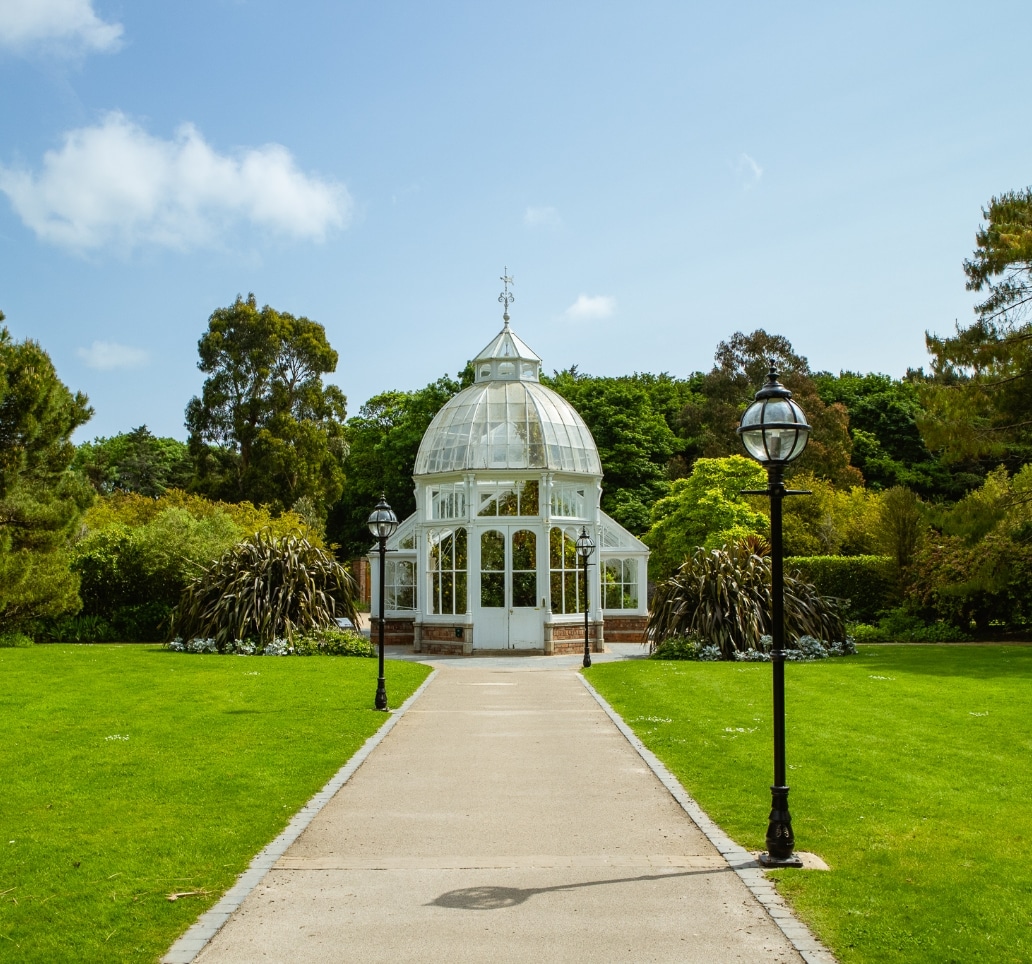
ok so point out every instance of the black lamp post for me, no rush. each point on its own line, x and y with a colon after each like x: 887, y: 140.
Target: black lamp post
x: 774, y: 432
x: 382, y: 523
x: 585, y: 547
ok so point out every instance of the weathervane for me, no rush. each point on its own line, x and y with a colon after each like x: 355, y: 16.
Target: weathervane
x: 506, y: 298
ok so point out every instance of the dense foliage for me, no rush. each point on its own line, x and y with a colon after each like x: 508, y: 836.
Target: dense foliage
x: 135, y: 461
x: 865, y: 583
x: 706, y: 509
x: 383, y: 440
x: 136, y: 555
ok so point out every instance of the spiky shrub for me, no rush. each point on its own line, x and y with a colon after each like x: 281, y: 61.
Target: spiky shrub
x: 264, y: 588
x: 722, y: 598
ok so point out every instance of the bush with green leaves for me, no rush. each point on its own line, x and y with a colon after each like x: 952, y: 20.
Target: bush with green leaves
x: 264, y: 589
x: 677, y: 647
x: 867, y: 583
x: 902, y: 626
x: 138, y: 554
x: 722, y: 597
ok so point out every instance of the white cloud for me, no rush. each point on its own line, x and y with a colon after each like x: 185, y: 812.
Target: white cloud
x: 589, y: 307
x: 65, y: 25
x: 108, y: 355
x: 542, y: 217
x: 116, y: 184
x: 749, y: 171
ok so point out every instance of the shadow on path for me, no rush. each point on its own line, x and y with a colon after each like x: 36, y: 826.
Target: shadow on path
x: 496, y: 898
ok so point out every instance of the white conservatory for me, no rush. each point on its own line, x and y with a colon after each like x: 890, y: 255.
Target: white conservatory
x: 506, y: 478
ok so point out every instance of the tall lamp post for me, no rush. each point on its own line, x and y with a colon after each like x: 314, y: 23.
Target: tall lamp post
x: 382, y: 523
x: 775, y: 432
x: 585, y: 547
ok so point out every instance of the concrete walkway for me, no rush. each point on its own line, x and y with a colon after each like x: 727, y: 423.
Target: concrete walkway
x: 505, y: 818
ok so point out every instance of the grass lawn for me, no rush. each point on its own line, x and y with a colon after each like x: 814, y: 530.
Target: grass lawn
x: 911, y: 775
x: 131, y: 773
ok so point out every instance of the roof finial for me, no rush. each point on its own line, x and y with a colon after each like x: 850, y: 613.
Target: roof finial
x: 506, y: 298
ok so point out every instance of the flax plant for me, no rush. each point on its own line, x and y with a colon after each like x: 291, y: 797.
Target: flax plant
x: 722, y: 597
x: 264, y: 588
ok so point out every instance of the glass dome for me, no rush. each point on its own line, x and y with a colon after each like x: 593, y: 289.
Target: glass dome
x: 507, y: 420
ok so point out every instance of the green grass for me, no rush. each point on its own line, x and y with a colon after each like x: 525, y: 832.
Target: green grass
x: 130, y: 773
x: 911, y: 775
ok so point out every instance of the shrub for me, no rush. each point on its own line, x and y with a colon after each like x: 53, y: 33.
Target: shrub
x: 14, y: 640
x: 901, y: 626
x: 75, y: 629
x: 723, y: 598
x: 677, y: 647
x: 144, y: 623
x: 267, y: 588
x: 139, y: 554
x: 326, y: 641
x: 332, y: 641
x: 866, y: 582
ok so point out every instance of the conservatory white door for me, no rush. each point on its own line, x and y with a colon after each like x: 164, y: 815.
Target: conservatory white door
x: 508, y: 614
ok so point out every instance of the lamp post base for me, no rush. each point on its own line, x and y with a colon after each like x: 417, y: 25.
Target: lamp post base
x: 780, y: 838
x: 773, y: 863
x: 381, y: 695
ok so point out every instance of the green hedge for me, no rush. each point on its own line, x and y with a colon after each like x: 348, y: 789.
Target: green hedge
x: 866, y: 581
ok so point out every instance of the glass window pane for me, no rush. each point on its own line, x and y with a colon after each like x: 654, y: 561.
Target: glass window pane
x: 524, y: 588
x: 524, y: 550
x: 492, y: 550
x: 555, y: 588
x: 492, y: 589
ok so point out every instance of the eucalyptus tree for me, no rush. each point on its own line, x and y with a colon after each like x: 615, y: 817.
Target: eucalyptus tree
x: 265, y: 428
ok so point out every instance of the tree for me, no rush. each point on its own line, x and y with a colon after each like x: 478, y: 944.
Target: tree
x: 706, y: 509
x: 40, y: 499
x: 265, y: 428
x: 741, y: 368
x: 976, y: 566
x: 383, y: 440
x: 634, y: 441
x: 135, y: 461
x: 979, y: 402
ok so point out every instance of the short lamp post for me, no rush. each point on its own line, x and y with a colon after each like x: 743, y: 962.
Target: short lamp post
x: 774, y: 432
x: 585, y: 547
x: 382, y: 523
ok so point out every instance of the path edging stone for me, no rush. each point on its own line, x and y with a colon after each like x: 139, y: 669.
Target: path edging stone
x: 184, y: 950
x: 740, y: 860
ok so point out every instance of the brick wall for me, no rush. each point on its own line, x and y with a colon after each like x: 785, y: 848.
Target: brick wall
x: 625, y: 629
x: 396, y: 632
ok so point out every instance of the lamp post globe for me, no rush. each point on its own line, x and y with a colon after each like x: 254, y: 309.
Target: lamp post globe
x: 774, y: 431
x: 382, y: 523
x: 585, y: 547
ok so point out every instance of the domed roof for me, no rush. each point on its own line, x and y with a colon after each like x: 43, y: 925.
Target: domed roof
x: 507, y: 420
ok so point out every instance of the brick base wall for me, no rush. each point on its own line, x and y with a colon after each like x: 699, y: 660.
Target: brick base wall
x: 625, y: 629
x: 396, y: 632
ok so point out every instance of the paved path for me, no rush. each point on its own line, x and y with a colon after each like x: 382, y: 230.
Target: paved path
x: 505, y: 818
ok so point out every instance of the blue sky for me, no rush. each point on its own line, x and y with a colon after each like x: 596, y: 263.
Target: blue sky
x: 656, y: 176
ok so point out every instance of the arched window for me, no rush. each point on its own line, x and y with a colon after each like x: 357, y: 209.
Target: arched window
x: 564, y: 572
x: 447, y: 562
